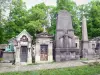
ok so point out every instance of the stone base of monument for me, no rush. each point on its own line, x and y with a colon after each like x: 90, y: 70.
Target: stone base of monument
x: 65, y: 54
x: 90, y: 54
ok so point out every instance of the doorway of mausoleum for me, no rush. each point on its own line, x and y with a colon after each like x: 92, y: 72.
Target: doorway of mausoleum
x: 44, y: 53
x: 23, y: 54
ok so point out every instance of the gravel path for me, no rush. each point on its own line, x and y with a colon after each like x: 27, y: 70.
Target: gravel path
x: 5, y: 67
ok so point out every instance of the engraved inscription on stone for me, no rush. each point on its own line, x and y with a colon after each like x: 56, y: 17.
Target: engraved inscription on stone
x: 64, y: 20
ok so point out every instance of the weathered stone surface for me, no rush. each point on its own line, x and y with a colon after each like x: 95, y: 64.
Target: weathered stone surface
x: 44, y: 48
x: 86, y: 50
x: 65, y: 38
x: 64, y: 29
x: 23, y: 51
x: 84, y: 29
x: 8, y: 56
x: 64, y: 21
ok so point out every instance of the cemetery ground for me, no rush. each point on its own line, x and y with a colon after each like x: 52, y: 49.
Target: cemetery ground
x: 83, y: 70
x: 90, y: 67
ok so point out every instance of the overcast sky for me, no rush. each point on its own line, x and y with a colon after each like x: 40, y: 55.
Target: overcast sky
x: 30, y: 3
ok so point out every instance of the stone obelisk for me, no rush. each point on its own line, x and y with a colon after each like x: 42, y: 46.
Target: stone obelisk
x: 85, y: 44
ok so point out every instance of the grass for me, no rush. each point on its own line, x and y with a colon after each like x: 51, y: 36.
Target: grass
x: 1, y: 59
x: 83, y: 70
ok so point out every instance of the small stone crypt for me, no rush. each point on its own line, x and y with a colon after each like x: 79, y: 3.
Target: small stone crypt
x: 44, y: 48
x: 23, y: 48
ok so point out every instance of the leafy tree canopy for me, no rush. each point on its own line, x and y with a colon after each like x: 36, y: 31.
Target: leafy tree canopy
x: 35, y: 18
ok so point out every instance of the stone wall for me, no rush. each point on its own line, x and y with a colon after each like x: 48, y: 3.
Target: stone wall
x: 8, y: 56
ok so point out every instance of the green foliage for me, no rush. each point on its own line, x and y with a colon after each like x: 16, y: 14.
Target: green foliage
x: 4, y: 5
x: 1, y: 34
x: 1, y: 59
x: 53, y: 13
x: 94, y: 19
x: 34, y: 27
x: 83, y: 10
x: 83, y: 70
x: 37, y: 17
x: 38, y: 12
x: 20, y: 18
x: 16, y: 20
x: 92, y: 13
x: 33, y: 19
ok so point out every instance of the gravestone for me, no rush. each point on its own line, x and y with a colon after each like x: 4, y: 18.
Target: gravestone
x: 65, y: 38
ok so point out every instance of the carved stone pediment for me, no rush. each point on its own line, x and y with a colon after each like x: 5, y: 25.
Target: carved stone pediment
x: 24, y: 38
x: 44, y: 34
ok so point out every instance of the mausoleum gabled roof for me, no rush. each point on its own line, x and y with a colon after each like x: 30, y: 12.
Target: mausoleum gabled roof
x: 24, y: 32
x: 44, y: 35
x: 11, y: 40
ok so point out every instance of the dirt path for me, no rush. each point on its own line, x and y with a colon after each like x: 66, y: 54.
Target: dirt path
x: 11, y: 68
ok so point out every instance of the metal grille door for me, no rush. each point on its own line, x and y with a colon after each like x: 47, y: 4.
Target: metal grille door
x: 23, y: 54
x: 44, y: 53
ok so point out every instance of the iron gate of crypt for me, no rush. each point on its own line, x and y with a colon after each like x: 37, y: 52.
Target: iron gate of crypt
x: 23, y: 54
x: 44, y: 52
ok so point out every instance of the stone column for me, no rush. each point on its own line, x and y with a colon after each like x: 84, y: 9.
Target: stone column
x: 84, y: 38
x: 66, y: 45
x: 50, y: 52
x: 73, y: 41
x: 84, y: 30
x: 29, y: 59
x: 18, y: 53
x: 37, y: 52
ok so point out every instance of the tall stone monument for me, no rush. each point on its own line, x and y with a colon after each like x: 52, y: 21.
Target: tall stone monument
x: 85, y: 45
x: 86, y: 50
x: 65, y: 38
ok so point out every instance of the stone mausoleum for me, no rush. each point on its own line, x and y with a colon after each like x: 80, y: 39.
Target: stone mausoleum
x: 23, y: 48
x: 66, y: 45
x: 44, y: 48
